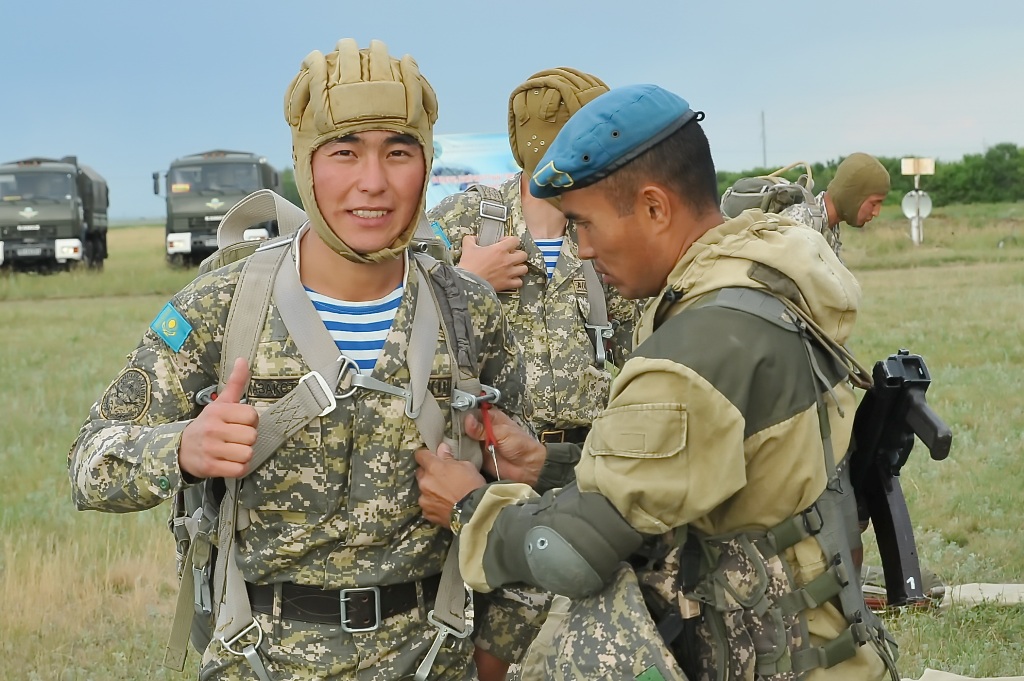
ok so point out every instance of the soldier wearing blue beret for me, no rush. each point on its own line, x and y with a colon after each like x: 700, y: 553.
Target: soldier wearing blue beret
x: 711, y: 493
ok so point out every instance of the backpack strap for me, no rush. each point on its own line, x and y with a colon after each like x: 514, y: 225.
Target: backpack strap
x: 260, y: 206
x: 493, y: 214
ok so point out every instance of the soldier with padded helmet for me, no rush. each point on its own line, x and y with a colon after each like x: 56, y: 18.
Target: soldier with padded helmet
x: 536, y: 268
x: 546, y: 295
x: 854, y: 196
x: 329, y: 532
x: 717, y: 469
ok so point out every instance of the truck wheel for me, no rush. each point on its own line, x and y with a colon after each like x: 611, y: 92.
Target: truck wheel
x: 177, y: 260
x: 94, y: 253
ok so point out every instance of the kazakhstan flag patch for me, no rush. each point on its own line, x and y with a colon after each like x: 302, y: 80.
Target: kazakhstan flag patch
x: 435, y: 226
x: 171, y: 327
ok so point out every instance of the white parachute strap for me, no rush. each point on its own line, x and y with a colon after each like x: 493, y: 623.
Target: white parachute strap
x: 493, y: 215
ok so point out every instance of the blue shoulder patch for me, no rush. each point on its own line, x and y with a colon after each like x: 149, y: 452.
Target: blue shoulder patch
x: 171, y: 327
x: 436, y: 226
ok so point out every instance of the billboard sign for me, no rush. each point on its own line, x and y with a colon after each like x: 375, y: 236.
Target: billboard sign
x: 464, y: 159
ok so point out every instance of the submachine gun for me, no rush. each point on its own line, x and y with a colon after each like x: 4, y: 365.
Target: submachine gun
x: 892, y: 412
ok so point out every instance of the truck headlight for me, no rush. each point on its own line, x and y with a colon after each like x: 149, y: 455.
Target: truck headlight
x: 179, y: 242
x: 67, y: 249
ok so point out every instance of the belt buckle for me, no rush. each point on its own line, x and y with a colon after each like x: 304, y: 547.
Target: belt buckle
x: 343, y: 599
x: 552, y: 436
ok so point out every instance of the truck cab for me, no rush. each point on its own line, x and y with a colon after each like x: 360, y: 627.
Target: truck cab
x: 200, y: 189
x: 53, y: 214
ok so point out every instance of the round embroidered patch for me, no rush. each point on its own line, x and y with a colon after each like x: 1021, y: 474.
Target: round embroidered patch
x: 128, y: 397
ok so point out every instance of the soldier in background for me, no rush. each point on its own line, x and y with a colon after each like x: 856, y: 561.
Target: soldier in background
x: 536, y: 267
x: 854, y: 196
x: 333, y: 514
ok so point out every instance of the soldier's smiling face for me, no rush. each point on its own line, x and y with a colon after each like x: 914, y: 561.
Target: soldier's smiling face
x: 368, y: 185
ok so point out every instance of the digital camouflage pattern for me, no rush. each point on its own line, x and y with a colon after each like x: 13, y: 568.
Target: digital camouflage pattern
x: 298, y: 651
x: 741, y: 590
x: 335, y: 507
x: 607, y: 636
x: 547, y: 317
x: 801, y: 214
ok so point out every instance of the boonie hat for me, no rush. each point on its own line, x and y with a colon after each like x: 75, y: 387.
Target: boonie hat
x: 608, y: 133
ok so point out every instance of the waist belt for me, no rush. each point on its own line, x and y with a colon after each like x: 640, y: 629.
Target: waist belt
x: 575, y: 435
x: 357, y: 609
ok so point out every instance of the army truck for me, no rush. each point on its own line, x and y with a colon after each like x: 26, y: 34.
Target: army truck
x: 200, y: 189
x: 53, y: 215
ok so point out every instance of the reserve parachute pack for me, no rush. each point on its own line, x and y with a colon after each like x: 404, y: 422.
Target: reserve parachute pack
x: 773, y: 193
x: 212, y: 601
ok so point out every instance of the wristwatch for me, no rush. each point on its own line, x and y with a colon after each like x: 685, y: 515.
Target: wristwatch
x: 455, y: 519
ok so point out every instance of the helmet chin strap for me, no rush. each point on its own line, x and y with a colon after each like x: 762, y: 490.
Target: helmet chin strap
x: 391, y: 252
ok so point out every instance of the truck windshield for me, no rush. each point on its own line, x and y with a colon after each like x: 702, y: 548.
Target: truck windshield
x: 39, y: 187
x: 213, y: 178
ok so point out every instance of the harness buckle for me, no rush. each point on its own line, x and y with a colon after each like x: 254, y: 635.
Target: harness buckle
x: 463, y: 401
x: 813, y: 522
x: 493, y: 210
x: 357, y: 380
x: 343, y: 599
x: 327, y: 393
x: 443, y: 632
x: 600, y: 335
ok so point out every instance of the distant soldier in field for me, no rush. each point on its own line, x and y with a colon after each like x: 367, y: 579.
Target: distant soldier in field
x: 854, y: 196
x: 341, y: 571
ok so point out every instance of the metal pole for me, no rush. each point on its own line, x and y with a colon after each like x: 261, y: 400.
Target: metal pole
x: 764, y: 143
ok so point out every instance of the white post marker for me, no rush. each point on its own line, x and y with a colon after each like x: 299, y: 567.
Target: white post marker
x: 917, y: 205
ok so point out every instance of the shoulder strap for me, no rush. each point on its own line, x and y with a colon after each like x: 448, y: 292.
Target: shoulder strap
x: 493, y: 214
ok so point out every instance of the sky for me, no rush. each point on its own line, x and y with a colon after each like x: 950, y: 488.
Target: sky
x: 130, y: 85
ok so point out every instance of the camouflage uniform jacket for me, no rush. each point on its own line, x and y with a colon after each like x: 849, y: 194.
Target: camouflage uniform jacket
x: 799, y: 212
x: 547, y: 316
x: 712, y: 424
x: 337, y: 505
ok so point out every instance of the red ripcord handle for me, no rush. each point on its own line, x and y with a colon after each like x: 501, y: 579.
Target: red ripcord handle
x: 485, y: 415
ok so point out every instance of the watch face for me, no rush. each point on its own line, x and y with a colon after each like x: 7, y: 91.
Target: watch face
x: 455, y: 521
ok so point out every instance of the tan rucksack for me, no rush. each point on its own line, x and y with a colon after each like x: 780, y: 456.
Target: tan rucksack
x: 773, y: 193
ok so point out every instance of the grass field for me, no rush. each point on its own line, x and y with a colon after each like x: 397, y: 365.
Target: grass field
x: 89, y: 595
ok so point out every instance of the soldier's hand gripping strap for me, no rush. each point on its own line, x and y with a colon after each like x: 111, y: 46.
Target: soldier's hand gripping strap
x: 566, y: 542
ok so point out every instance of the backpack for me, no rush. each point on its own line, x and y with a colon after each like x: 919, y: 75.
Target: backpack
x: 773, y: 193
x: 212, y: 598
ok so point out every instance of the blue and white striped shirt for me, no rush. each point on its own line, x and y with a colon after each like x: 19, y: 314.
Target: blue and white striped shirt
x: 359, y: 329
x: 550, y: 248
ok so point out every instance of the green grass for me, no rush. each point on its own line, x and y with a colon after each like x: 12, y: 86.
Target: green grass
x: 89, y: 595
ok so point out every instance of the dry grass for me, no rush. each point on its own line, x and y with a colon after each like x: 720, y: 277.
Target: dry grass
x: 89, y: 596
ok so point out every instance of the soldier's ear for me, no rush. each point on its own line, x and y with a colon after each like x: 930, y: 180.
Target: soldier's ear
x: 653, y: 202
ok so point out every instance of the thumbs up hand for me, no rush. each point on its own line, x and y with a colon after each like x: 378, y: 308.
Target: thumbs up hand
x: 218, y: 443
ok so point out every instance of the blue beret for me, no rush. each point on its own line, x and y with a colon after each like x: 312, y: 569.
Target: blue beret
x: 607, y: 133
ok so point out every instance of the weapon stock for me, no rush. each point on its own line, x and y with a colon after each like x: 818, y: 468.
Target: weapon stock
x: 892, y: 412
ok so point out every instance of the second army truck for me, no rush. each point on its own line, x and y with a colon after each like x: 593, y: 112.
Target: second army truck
x: 53, y: 215
x: 200, y: 189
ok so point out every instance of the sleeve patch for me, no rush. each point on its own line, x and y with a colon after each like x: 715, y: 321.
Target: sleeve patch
x: 436, y: 227
x: 171, y: 327
x: 128, y: 397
